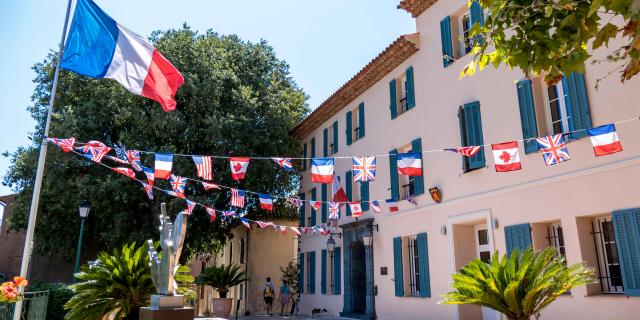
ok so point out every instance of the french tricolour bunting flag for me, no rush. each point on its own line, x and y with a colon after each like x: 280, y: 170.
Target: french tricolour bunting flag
x: 506, y: 157
x: 210, y: 186
x: 364, y: 168
x: 238, y: 167
x: 164, y: 162
x: 203, y: 166
x: 410, y: 163
x: 150, y: 175
x: 356, y: 209
x: 392, y: 204
x: 605, y: 140
x: 211, y: 212
x: 375, y: 206
x: 125, y: 171
x: 95, y: 150
x: 322, y: 170
x: 266, y: 203
x: 65, y: 144
x: 99, y: 47
x: 285, y: 163
x: 190, y: 206
x: 134, y: 159
x: 469, y: 151
x: 554, y: 149
x: 178, y: 183
x: 237, y: 198
x: 315, y: 204
x: 337, y: 192
x: 334, y: 210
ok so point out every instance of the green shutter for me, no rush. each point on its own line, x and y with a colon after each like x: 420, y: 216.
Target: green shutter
x: 527, y: 115
x: 301, y: 272
x: 418, y: 182
x: 517, y: 236
x: 348, y: 177
x: 349, y: 127
x: 323, y: 271
x: 335, y: 136
x: 302, y: 213
x: 411, y: 96
x: 393, y: 106
x: 364, y: 195
x: 626, y: 225
x: 577, y: 104
x: 393, y: 173
x: 312, y: 272
x: 313, y: 150
x: 323, y: 194
x: 361, y: 120
x: 313, y: 211
x: 397, y: 266
x: 423, y: 266
x: 325, y: 142
x: 336, y: 271
x: 473, y: 134
x: 445, y: 36
x: 476, y: 13
x: 304, y: 155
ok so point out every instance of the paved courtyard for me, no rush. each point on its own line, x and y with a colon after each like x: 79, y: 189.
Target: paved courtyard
x: 274, y: 317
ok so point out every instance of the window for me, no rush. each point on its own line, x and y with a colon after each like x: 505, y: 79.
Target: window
x: 401, y: 89
x: 308, y: 272
x: 483, y: 249
x: 401, y: 93
x: 312, y: 149
x: 556, y: 238
x: 414, y: 262
x: 242, y: 250
x: 411, y: 266
x: 407, y: 183
x: 471, y: 135
x: 331, y: 145
x: 304, y: 156
x: 608, y: 265
x: 403, y: 186
x: 455, y: 29
x: 230, y: 251
x: 355, y: 124
x: 558, y: 120
x: 308, y: 210
x: 465, y: 28
x: 331, y: 271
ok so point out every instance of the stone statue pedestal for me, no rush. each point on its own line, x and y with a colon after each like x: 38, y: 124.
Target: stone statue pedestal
x: 166, y: 308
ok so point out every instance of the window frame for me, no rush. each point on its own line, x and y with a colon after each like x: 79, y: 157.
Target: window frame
x: 402, y: 94
x: 355, y: 124
x: 413, y: 263
x: 330, y: 139
x: 481, y: 248
x: 604, y: 256
x: 406, y: 184
x: 466, y: 44
x: 561, y: 105
x: 555, y: 236
x: 307, y: 272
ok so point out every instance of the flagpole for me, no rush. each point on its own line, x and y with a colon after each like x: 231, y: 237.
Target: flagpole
x: 35, y: 198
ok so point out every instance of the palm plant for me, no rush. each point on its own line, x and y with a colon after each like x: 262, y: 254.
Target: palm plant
x: 518, y: 286
x: 222, y: 278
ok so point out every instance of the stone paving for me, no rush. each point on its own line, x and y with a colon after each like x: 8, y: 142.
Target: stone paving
x: 277, y: 317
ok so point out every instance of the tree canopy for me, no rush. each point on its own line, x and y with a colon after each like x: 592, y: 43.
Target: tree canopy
x: 555, y: 37
x: 238, y: 99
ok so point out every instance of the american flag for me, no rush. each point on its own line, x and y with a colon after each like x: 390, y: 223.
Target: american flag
x: 190, y: 206
x: 121, y: 153
x: 364, y: 168
x: 203, y: 165
x: 209, y: 186
x: 148, y: 189
x: 95, y: 150
x: 466, y: 151
x: 262, y: 224
x: 375, y: 206
x: 554, y: 149
x: 65, y: 144
x: 334, y: 210
x: 237, y: 198
x: 285, y: 163
x: 178, y: 183
x: 134, y: 159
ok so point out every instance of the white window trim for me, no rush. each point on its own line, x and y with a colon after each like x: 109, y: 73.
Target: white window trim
x: 603, y: 259
x: 556, y: 239
x: 413, y: 268
x: 564, y: 117
x: 461, y: 38
x: 401, y: 94
x: 481, y: 247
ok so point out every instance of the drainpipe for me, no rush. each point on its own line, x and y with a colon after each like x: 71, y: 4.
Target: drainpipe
x: 246, y: 268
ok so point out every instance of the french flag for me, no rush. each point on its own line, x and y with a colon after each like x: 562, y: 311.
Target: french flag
x: 99, y: 47
x: 322, y: 170
x: 410, y: 163
x: 266, y: 203
x: 605, y: 140
x: 164, y: 162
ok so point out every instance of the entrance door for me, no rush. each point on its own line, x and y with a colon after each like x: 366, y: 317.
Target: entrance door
x: 358, y: 278
x: 483, y: 252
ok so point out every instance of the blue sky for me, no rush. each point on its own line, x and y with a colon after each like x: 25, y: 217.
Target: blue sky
x: 324, y: 42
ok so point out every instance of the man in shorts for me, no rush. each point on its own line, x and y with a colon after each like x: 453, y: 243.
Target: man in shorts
x: 268, y: 292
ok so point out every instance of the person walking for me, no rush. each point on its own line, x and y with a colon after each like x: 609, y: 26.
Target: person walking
x: 268, y: 293
x: 285, y: 296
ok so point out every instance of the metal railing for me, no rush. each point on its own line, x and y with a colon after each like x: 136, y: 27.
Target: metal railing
x: 34, y: 307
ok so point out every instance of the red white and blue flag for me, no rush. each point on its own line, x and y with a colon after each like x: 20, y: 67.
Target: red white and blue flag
x: 392, y: 204
x: 375, y: 206
x: 95, y: 151
x: 238, y: 167
x: 356, y: 209
x: 364, y: 168
x: 190, y: 206
x: 262, y: 224
x: 237, y: 198
x: 315, y: 204
x: 65, y: 144
x: 148, y: 189
x: 410, y: 163
x: 134, y: 159
x: 164, y: 162
x: 605, y: 140
x: 116, y: 159
x: 246, y: 223
x: 334, y: 210
x: 175, y: 194
x: 125, y: 171
x: 210, y: 186
x: 178, y: 184
x: 266, y: 203
x: 203, y: 166
x: 469, y: 151
x: 150, y: 175
x: 554, y: 149
x: 295, y: 202
x: 294, y: 229
x: 337, y: 192
x: 211, y: 212
x: 322, y: 170
x: 285, y: 163
x: 506, y: 157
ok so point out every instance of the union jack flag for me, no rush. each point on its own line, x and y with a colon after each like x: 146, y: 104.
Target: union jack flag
x: 178, y: 183
x: 285, y: 163
x: 554, y: 149
x: 466, y: 151
x: 203, y: 165
x: 94, y: 151
x: 134, y: 159
x: 237, y: 198
x: 148, y: 189
x: 65, y: 144
x: 364, y: 168
x: 334, y: 210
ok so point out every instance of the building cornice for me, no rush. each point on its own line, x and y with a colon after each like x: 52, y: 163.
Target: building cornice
x: 396, y: 53
x: 415, y: 7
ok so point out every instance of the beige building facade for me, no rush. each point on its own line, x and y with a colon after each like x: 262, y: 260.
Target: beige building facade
x: 409, y: 98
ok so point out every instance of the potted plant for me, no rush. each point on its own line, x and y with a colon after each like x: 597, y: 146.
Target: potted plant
x: 221, y: 278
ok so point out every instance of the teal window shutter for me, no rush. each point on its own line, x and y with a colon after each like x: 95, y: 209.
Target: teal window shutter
x: 445, y: 36
x: 411, y: 96
x: 361, y: 120
x: 423, y: 266
x: 471, y: 134
x: 397, y: 266
x: 301, y: 272
x: 323, y: 194
x: 393, y: 173
x: 517, y: 236
x: 312, y: 272
x: 349, y: 127
x: 336, y: 271
x: 304, y: 155
x: 476, y: 13
x: 393, y: 106
x: 527, y: 115
x: 325, y: 142
x: 364, y: 195
x: 313, y: 150
x: 335, y: 136
x: 302, y: 213
x: 348, y: 177
x: 313, y: 211
x: 418, y: 181
x: 577, y: 103
x: 626, y: 226
x: 323, y: 271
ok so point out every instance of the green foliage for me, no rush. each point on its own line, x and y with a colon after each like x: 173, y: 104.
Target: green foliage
x: 185, y: 281
x: 59, y: 294
x: 553, y: 37
x: 238, y: 99
x: 290, y: 275
x: 115, y: 285
x: 518, y: 286
x: 222, y: 278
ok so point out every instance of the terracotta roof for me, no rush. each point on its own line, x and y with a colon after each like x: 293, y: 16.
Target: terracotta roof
x: 415, y: 7
x: 396, y: 53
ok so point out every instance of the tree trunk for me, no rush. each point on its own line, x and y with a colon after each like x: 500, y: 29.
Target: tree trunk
x: 223, y: 293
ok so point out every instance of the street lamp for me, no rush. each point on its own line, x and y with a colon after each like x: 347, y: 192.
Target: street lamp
x: 83, y: 209
x: 331, y: 244
x: 367, y: 237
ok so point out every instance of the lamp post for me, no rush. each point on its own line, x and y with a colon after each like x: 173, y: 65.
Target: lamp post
x: 83, y: 209
x: 367, y: 237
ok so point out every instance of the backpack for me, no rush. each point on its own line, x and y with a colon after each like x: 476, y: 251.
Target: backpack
x: 268, y: 292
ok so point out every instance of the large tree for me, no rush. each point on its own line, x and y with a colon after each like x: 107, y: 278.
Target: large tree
x: 238, y: 99
x: 556, y: 37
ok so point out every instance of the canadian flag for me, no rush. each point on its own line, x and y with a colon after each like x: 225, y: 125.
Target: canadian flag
x: 238, y: 167
x: 337, y: 192
x: 506, y: 157
x: 356, y: 209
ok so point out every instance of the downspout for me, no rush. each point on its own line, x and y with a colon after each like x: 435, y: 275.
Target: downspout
x: 246, y: 280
